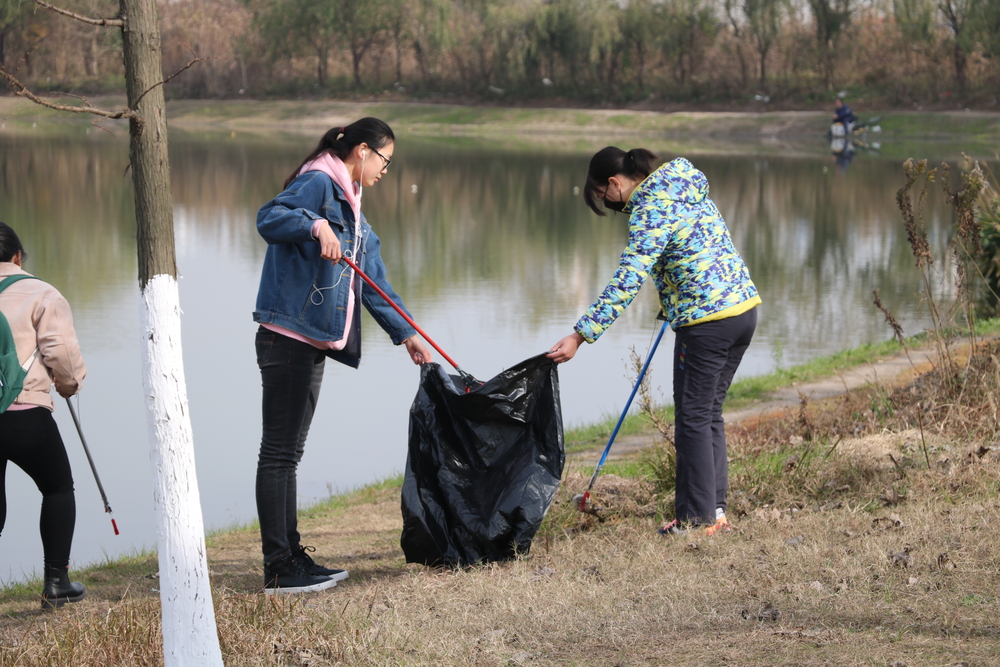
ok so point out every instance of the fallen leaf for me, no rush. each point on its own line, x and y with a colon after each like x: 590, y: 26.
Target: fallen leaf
x: 768, y: 613
x: 900, y: 559
x: 892, y: 497
x: 945, y: 563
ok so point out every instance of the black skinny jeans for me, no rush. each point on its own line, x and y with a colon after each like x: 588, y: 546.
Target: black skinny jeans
x: 30, y: 440
x: 706, y: 357
x: 291, y: 374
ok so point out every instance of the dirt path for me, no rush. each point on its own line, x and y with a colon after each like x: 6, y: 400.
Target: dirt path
x: 890, y: 369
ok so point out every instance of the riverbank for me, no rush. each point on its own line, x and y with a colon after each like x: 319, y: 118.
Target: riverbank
x: 975, y: 132
x: 859, y: 538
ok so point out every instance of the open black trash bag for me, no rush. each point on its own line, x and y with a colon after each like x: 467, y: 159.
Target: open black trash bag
x: 482, y: 467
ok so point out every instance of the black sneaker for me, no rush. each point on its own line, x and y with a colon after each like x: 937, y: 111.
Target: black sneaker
x: 285, y: 575
x: 312, y: 567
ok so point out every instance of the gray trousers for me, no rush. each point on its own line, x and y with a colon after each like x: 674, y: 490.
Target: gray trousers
x: 706, y: 357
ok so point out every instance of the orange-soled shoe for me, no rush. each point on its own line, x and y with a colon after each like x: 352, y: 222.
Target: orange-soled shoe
x: 675, y: 527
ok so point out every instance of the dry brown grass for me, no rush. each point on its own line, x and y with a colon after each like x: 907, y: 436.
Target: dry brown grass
x: 847, y: 549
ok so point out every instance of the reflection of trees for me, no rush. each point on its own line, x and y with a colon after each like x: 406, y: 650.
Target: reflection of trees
x: 817, y: 244
x: 72, y: 207
x: 491, y: 225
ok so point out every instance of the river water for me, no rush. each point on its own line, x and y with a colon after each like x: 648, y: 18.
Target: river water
x: 493, y: 251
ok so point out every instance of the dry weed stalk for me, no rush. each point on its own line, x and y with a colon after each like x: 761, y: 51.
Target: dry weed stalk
x: 897, y: 329
x: 968, y: 248
x: 660, y: 460
x: 916, y: 235
x: 647, y: 401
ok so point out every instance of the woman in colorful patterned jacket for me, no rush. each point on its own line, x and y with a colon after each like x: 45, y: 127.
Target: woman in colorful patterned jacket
x: 678, y: 236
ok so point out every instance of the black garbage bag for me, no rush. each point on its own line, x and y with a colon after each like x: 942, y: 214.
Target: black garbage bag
x: 483, y: 466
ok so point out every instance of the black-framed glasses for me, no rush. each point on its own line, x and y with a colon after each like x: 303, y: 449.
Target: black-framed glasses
x: 384, y: 158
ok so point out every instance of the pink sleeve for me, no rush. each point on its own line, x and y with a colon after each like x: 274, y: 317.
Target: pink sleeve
x: 315, y: 227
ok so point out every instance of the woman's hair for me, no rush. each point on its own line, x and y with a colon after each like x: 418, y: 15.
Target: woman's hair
x: 10, y: 245
x: 340, y: 141
x: 613, y: 161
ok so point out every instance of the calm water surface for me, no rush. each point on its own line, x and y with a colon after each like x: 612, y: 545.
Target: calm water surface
x: 493, y: 251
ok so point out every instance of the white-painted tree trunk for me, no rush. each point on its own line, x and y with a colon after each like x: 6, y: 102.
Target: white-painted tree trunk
x: 189, y: 630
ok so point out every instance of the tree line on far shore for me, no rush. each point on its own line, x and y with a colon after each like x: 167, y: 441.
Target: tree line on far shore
x: 657, y: 52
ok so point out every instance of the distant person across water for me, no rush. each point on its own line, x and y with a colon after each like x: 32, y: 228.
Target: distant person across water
x: 842, y: 114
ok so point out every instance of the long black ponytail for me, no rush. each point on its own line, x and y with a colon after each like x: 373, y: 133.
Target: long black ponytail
x: 340, y: 141
x: 637, y: 163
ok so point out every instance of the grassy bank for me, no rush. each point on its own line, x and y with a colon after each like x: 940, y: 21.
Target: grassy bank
x: 585, y: 438
x: 574, y: 129
x: 862, y: 536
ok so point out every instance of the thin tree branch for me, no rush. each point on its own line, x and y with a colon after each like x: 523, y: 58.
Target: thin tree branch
x: 111, y: 23
x: 196, y: 60
x: 21, y: 90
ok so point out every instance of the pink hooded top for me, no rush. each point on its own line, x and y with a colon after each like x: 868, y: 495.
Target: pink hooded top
x: 334, y: 167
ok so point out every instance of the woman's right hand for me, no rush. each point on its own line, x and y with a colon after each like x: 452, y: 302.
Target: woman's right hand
x: 566, y: 348
x: 329, y: 244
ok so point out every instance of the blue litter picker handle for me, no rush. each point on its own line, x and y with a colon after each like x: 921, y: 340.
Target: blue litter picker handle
x: 628, y: 404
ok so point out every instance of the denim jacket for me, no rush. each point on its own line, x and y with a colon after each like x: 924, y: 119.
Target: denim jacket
x: 301, y: 291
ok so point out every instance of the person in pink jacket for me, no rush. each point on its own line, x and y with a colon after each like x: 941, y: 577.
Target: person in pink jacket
x: 42, y: 326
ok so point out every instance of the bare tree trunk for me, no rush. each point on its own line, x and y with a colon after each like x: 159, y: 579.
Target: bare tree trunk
x: 322, y: 60
x: 640, y: 57
x: 92, y: 68
x: 356, y: 67
x: 188, y: 624
x: 418, y: 52
x: 959, y: 57
x: 397, y: 37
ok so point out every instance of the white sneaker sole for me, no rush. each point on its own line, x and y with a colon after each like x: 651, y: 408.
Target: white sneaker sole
x: 330, y: 583
x: 340, y: 576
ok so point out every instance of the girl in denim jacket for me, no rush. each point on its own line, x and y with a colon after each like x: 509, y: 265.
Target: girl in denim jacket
x: 678, y: 237
x: 309, y: 308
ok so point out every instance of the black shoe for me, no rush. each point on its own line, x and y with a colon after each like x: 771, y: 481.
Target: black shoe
x: 58, y: 589
x: 285, y: 575
x: 312, y: 567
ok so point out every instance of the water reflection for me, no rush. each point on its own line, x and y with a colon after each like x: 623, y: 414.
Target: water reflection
x: 491, y: 249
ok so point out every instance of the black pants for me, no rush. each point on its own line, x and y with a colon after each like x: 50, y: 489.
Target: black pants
x: 291, y: 374
x: 30, y: 440
x: 706, y: 357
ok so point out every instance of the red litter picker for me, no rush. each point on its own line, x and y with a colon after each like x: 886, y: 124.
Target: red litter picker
x: 470, y: 382
x: 93, y: 468
x: 582, y: 501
